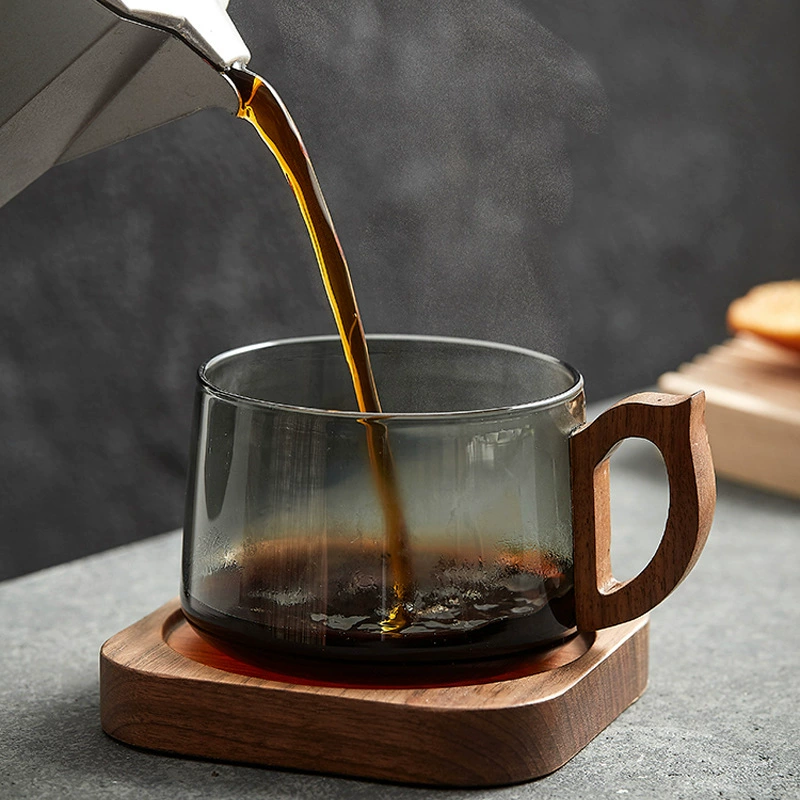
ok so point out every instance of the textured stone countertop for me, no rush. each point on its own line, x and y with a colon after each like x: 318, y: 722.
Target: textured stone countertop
x: 720, y: 719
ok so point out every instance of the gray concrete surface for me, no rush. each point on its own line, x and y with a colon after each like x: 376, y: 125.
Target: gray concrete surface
x: 719, y: 719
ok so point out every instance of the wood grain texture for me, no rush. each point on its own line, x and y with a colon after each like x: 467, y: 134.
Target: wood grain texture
x: 753, y: 410
x: 495, y: 733
x: 675, y: 426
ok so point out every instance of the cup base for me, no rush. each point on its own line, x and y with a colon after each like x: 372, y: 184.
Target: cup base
x: 204, y: 647
x: 499, y: 638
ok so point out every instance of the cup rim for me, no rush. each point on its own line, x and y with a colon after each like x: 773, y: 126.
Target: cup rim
x: 535, y: 405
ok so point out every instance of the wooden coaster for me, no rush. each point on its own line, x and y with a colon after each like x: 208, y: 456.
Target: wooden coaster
x: 158, y: 690
x: 752, y: 409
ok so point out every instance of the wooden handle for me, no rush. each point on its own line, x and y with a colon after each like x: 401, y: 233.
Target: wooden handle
x: 675, y: 425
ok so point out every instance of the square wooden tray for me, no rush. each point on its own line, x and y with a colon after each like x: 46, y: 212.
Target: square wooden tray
x: 159, y: 690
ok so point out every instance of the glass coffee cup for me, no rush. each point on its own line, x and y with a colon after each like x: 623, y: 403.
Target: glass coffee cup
x: 469, y: 520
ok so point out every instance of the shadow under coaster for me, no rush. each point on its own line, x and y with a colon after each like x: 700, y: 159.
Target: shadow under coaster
x: 163, y: 687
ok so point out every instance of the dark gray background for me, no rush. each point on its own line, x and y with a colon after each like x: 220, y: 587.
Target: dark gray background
x: 597, y: 180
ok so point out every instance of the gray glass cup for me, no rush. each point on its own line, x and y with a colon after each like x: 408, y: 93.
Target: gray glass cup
x: 440, y: 529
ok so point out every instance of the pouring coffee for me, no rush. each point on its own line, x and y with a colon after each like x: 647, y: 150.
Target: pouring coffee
x: 475, y: 463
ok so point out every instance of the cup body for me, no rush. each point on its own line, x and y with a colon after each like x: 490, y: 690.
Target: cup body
x: 287, y: 546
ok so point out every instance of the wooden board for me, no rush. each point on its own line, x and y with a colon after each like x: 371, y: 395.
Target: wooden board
x: 157, y: 690
x: 752, y: 410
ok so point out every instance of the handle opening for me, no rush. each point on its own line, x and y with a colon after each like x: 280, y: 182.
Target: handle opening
x: 675, y: 425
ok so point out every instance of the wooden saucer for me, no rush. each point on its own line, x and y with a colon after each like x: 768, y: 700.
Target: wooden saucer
x: 158, y: 690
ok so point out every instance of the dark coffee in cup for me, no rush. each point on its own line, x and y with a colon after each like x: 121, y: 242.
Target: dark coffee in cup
x: 332, y: 601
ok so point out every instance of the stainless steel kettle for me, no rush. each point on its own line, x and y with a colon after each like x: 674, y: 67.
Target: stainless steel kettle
x: 78, y: 75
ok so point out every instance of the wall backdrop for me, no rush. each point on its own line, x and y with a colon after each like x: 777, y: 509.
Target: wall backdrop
x: 596, y: 180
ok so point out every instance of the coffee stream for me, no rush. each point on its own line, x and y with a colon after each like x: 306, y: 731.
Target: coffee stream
x: 262, y: 108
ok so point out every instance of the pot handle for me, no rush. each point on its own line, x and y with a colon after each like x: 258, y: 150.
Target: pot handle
x: 675, y: 425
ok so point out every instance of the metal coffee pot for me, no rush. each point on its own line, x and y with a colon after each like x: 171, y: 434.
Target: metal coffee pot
x: 78, y: 75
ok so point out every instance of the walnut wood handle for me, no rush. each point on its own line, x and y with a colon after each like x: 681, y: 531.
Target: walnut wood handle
x: 675, y: 425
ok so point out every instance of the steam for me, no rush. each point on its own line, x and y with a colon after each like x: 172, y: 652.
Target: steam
x: 455, y: 115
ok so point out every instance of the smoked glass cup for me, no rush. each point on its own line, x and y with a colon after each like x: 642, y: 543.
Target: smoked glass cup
x: 468, y: 520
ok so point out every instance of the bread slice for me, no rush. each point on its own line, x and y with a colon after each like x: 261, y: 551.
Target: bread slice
x: 771, y: 311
